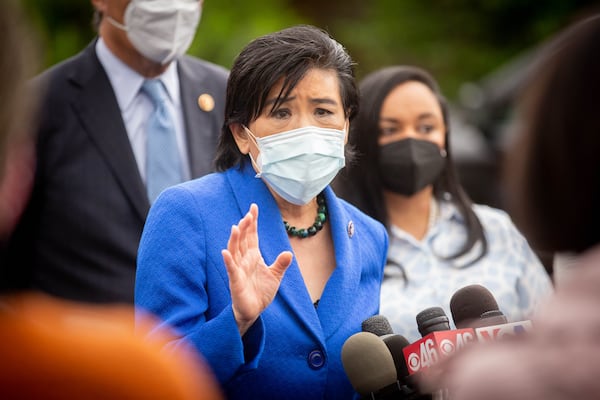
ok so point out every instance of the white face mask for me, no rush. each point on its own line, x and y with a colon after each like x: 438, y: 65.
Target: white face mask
x: 300, y: 163
x: 161, y: 30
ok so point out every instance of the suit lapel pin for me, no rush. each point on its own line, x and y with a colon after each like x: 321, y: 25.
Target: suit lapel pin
x: 206, y: 102
x: 350, y: 229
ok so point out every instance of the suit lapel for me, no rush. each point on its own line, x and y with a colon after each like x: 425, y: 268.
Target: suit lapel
x: 200, y: 125
x: 273, y: 240
x: 340, y: 292
x: 100, y: 115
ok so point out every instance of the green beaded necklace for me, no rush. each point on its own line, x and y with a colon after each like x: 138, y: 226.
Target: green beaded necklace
x: 314, y: 228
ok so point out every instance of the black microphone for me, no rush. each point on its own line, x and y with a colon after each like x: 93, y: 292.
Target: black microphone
x: 380, y: 326
x: 405, y: 386
x: 432, y: 319
x: 475, y: 306
x: 395, y: 344
x: 492, y: 317
x: 472, y: 306
x: 437, y: 341
x: 377, y: 325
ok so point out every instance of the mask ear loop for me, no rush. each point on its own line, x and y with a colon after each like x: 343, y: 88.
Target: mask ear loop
x: 346, y: 127
x: 117, y: 24
x: 253, y: 139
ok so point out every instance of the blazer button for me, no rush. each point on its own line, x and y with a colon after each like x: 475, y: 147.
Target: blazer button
x: 316, y: 359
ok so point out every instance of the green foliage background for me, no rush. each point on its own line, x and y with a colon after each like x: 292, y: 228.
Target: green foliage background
x: 457, y: 40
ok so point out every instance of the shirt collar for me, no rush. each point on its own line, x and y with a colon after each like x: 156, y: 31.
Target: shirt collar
x: 447, y: 211
x: 126, y: 82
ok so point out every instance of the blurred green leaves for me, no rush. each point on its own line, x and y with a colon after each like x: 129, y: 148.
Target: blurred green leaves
x: 457, y: 40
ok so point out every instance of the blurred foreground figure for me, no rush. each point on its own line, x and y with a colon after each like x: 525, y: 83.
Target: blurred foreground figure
x: 554, y: 175
x: 54, y: 349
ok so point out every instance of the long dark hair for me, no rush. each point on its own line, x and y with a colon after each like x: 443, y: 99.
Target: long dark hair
x: 360, y: 182
x: 287, y: 54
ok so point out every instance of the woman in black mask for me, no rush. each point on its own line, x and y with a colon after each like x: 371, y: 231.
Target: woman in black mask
x: 439, y: 241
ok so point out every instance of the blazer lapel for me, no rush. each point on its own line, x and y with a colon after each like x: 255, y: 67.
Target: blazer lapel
x: 201, y: 128
x: 98, y: 109
x: 273, y: 240
x: 340, y: 291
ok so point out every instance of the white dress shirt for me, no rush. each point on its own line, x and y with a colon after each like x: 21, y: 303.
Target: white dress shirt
x: 416, y: 277
x: 137, y: 107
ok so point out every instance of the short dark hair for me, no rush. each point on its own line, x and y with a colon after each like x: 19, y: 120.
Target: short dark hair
x: 96, y: 20
x: 552, y: 170
x: 287, y: 54
x: 360, y: 182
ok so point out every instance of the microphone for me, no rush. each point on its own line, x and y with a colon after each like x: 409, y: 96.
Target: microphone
x: 404, y: 387
x: 470, y: 303
x: 432, y: 319
x: 396, y: 344
x: 438, y: 340
x: 492, y: 317
x: 377, y: 325
x: 368, y: 363
x: 380, y: 326
x: 475, y: 306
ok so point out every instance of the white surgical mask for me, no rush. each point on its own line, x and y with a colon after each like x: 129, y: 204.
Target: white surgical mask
x: 300, y: 163
x: 161, y: 30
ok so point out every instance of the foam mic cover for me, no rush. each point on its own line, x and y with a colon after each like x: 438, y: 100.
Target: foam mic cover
x: 469, y: 303
x: 493, y: 317
x: 377, y: 325
x: 368, y: 363
x: 432, y: 319
x: 395, y: 344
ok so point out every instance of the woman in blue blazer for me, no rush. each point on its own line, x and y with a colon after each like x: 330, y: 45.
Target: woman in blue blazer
x: 271, y: 315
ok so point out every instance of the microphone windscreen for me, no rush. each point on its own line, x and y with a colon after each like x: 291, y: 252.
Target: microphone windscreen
x: 432, y: 319
x: 493, y: 317
x: 395, y: 344
x: 368, y: 363
x: 468, y: 303
x: 377, y: 325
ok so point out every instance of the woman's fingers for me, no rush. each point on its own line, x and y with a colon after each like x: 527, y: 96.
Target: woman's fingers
x: 252, y: 237
x: 230, y: 266
x: 281, y: 264
x: 233, y: 244
x: 242, y: 242
x: 248, y: 230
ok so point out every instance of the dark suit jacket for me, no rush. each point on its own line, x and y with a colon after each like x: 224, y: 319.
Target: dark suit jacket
x: 79, y: 235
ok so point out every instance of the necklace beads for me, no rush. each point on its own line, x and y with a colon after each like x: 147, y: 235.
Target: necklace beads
x: 312, y: 230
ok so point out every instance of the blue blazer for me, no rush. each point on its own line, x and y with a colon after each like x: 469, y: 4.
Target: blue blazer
x: 293, y: 350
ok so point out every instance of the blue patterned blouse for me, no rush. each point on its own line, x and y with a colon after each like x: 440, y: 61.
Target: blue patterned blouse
x: 510, y: 269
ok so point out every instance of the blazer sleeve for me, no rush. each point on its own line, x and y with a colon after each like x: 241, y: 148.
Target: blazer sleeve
x: 177, y: 263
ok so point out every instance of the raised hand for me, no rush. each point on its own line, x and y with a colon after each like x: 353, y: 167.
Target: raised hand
x: 252, y: 283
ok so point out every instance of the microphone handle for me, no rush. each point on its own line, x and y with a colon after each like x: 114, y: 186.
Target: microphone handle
x: 399, y: 391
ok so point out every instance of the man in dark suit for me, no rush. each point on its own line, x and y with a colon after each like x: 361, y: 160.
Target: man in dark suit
x: 79, y: 234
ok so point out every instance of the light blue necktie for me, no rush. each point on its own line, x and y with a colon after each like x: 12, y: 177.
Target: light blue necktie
x: 163, y: 166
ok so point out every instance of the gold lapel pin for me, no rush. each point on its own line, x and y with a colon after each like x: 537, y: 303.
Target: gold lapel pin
x: 206, y: 102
